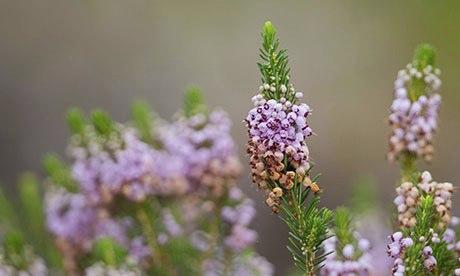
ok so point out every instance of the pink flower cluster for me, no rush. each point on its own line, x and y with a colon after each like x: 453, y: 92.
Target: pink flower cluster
x: 395, y: 249
x: 414, y: 120
x: 278, y: 152
x: 355, y: 259
x: 204, y: 145
x: 124, y: 165
x: 408, y: 195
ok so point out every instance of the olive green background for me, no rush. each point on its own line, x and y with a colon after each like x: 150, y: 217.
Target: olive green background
x: 344, y: 57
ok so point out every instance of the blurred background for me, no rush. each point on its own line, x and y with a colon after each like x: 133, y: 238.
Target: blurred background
x: 344, y: 57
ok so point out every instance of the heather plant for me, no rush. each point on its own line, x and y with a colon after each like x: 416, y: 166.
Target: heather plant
x: 157, y: 197
x: 147, y: 197
x: 279, y: 156
x: 425, y: 240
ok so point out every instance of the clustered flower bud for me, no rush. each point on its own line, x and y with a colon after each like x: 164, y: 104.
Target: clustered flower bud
x: 429, y: 260
x: 76, y: 224
x: 204, y: 143
x: 414, y: 121
x: 395, y: 249
x: 408, y: 196
x: 355, y: 259
x: 278, y: 153
x: 406, y: 202
x: 450, y: 236
x: 442, y: 194
x: 124, y: 165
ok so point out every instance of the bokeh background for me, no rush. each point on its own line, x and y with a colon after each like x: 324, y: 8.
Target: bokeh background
x: 344, y: 57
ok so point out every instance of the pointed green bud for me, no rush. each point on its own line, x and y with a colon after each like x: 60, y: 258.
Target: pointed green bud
x: 194, y: 102
x: 14, y: 250
x: 59, y: 173
x: 102, y: 122
x: 424, y: 55
x: 76, y: 121
x: 143, y: 119
x: 268, y: 31
x: 274, y: 67
x: 109, y: 251
x: 343, y: 227
x: 13, y: 242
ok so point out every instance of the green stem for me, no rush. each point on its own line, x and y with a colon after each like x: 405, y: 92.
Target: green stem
x: 309, y: 256
x: 158, y: 258
x: 408, y: 166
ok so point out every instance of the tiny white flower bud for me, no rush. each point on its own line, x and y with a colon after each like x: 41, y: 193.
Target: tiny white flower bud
x: 283, y: 88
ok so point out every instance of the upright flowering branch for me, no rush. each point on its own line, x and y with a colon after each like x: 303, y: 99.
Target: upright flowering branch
x: 415, y: 111
x: 425, y: 242
x: 201, y: 136
x: 279, y: 156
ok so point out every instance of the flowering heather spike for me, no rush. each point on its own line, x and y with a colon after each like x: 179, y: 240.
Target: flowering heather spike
x: 279, y: 157
x: 204, y: 143
x: 424, y: 213
x: 414, y: 111
x: 277, y: 129
x: 423, y: 205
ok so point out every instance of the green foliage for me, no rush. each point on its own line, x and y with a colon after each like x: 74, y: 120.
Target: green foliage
x: 445, y: 258
x: 143, y: 120
x: 274, y: 66
x: 194, y: 102
x: 184, y: 257
x: 15, y: 250
x: 425, y: 217
x: 308, y: 228
x: 424, y: 55
x: 109, y: 252
x: 102, y: 123
x: 59, y: 173
x: 343, y: 229
x: 76, y: 121
x: 31, y: 200
x: 34, y: 219
x: 409, y: 170
x: 421, y: 234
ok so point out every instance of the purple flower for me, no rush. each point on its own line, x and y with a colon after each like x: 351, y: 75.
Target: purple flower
x: 69, y: 217
x: 277, y: 132
x: 414, y: 121
x: 203, y: 142
x: 240, y: 238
